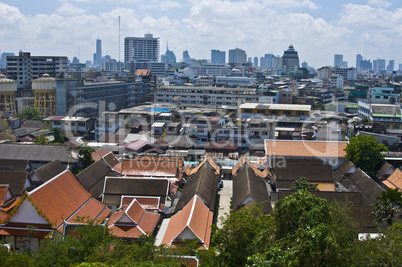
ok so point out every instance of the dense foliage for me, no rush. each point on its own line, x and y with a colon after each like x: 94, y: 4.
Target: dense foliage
x: 365, y: 152
x: 388, y: 205
x: 30, y: 113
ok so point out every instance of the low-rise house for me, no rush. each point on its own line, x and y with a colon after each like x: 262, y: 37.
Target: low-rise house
x: 173, y: 128
x: 192, y: 222
x: 250, y: 188
x: 43, y: 211
x: 132, y: 222
x: 329, y: 152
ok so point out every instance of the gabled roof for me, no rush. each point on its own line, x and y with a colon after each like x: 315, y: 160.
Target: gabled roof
x: 6, y: 195
x: 244, y: 160
x: 303, y: 148
x: 195, y: 219
x: 115, y: 187
x: 148, y: 203
x: 346, y: 167
x: 211, y: 163
x: 16, y: 181
x: 361, y: 182
x: 44, y: 153
x: 395, y: 180
x: 133, y: 221
x: 246, y: 184
x: 204, y: 184
x: 50, y: 170
x: 13, y: 165
x: 150, y: 168
x: 93, y: 209
x: 385, y: 171
x: 136, y: 145
x: 313, y: 173
x: 143, y: 73
x: 93, y: 177
x: 365, y: 218
x: 59, y: 197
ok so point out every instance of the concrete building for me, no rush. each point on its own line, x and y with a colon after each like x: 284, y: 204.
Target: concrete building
x: 389, y: 115
x: 141, y: 48
x: 359, y: 59
x: 256, y: 61
x: 24, y: 67
x: 256, y: 110
x: 205, y: 95
x: 336, y: 81
x: 237, y: 56
x: 98, y: 54
x: 218, y: 56
x: 338, y: 60
x: 44, y: 90
x: 210, y: 69
x: 383, y: 95
x: 8, y: 90
x: 349, y: 74
x: 234, y: 81
x: 324, y: 73
x: 3, y: 59
x: 157, y: 68
x: 290, y: 60
x: 379, y: 65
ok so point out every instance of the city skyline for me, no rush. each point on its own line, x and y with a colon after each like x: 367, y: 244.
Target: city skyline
x: 317, y: 30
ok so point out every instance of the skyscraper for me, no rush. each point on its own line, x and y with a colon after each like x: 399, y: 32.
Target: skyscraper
x: 98, y: 54
x: 378, y: 65
x: 169, y: 56
x: 237, y: 56
x: 359, y: 59
x: 391, y: 66
x: 141, y: 49
x: 290, y: 60
x: 256, y: 61
x: 218, y: 56
x: 338, y: 60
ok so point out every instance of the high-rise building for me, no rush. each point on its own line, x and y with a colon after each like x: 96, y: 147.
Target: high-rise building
x: 391, y: 66
x: 98, y: 54
x: 24, y: 67
x: 378, y: 65
x: 141, y: 49
x: 359, y: 59
x: 290, y: 60
x: 338, y: 60
x: 218, y: 56
x: 237, y: 56
x: 169, y: 56
x: 256, y: 61
x: 366, y: 64
x: 304, y: 65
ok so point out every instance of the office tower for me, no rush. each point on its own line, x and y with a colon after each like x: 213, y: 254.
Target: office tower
x: 169, y: 56
x: 400, y: 67
x: 268, y: 60
x: 277, y: 63
x: 249, y: 60
x: 338, y: 60
x: 304, y: 65
x: 237, y: 56
x: 378, y: 65
x: 98, y: 54
x: 290, y: 60
x: 256, y: 61
x: 344, y: 64
x: 390, y: 67
x: 3, y: 61
x: 218, y: 56
x: 366, y: 64
x: 141, y: 49
x: 24, y: 67
x: 359, y: 59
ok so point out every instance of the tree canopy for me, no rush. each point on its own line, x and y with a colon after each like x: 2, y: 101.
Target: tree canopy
x: 365, y: 152
x: 302, y: 184
x: 30, y: 113
x: 85, y: 154
x: 387, y: 206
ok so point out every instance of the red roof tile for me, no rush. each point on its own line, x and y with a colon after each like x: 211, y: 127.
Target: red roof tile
x: 59, y: 197
x: 141, y: 168
x: 394, y: 180
x: 91, y: 209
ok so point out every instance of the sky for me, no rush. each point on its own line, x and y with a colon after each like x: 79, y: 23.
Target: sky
x: 317, y: 29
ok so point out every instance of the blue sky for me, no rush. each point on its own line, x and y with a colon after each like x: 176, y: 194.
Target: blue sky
x: 318, y: 29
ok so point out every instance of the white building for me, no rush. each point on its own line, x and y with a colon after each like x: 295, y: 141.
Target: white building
x: 236, y: 81
x: 336, y: 81
x: 205, y: 95
x: 141, y: 48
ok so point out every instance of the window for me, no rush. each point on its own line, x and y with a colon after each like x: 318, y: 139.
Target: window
x: 377, y: 96
x: 385, y: 97
x: 261, y: 111
x: 73, y: 124
x: 248, y: 111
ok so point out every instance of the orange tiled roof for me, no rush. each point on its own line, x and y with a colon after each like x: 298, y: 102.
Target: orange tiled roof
x: 148, y: 203
x: 143, y: 73
x: 141, y: 168
x: 244, y: 160
x: 97, y: 155
x: 206, y: 159
x: 92, y: 209
x: 143, y: 222
x: 196, y: 217
x: 60, y: 197
x: 394, y: 180
x: 298, y: 148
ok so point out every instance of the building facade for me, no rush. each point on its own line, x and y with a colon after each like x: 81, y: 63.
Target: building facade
x: 141, y: 48
x: 290, y: 60
x: 44, y: 90
x: 237, y: 56
x: 24, y: 67
x: 8, y: 90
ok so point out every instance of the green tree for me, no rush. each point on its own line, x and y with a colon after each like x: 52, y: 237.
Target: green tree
x: 41, y: 140
x: 30, y: 113
x: 331, y: 107
x: 239, y: 235
x: 387, y: 206
x: 302, y: 184
x: 365, y: 152
x: 58, y: 139
x: 85, y: 154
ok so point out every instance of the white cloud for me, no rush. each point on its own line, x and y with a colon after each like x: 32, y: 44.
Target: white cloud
x: 379, y: 3
x: 165, y: 5
x: 69, y: 10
